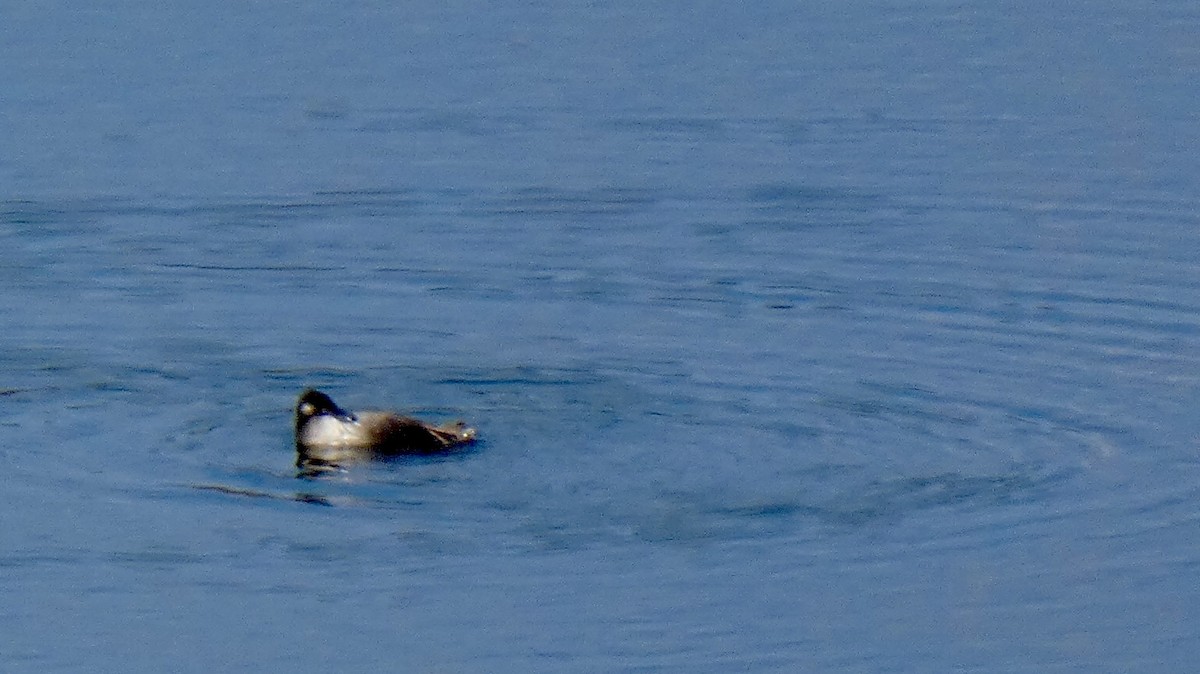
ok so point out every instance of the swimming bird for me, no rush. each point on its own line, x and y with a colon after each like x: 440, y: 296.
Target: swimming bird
x: 329, y: 436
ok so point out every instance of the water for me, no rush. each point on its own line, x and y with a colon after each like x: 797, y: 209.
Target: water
x: 847, y: 338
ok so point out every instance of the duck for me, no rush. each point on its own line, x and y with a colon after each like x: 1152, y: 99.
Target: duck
x: 328, y: 436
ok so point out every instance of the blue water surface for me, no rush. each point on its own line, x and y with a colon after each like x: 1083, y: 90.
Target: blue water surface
x: 799, y: 336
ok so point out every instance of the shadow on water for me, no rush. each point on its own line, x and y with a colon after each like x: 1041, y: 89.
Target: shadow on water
x: 299, y: 497
x: 537, y: 512
x: 888, y: 501
x: 831, y: 501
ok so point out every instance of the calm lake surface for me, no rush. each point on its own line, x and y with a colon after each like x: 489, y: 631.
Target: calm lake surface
x: 801, y: 338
